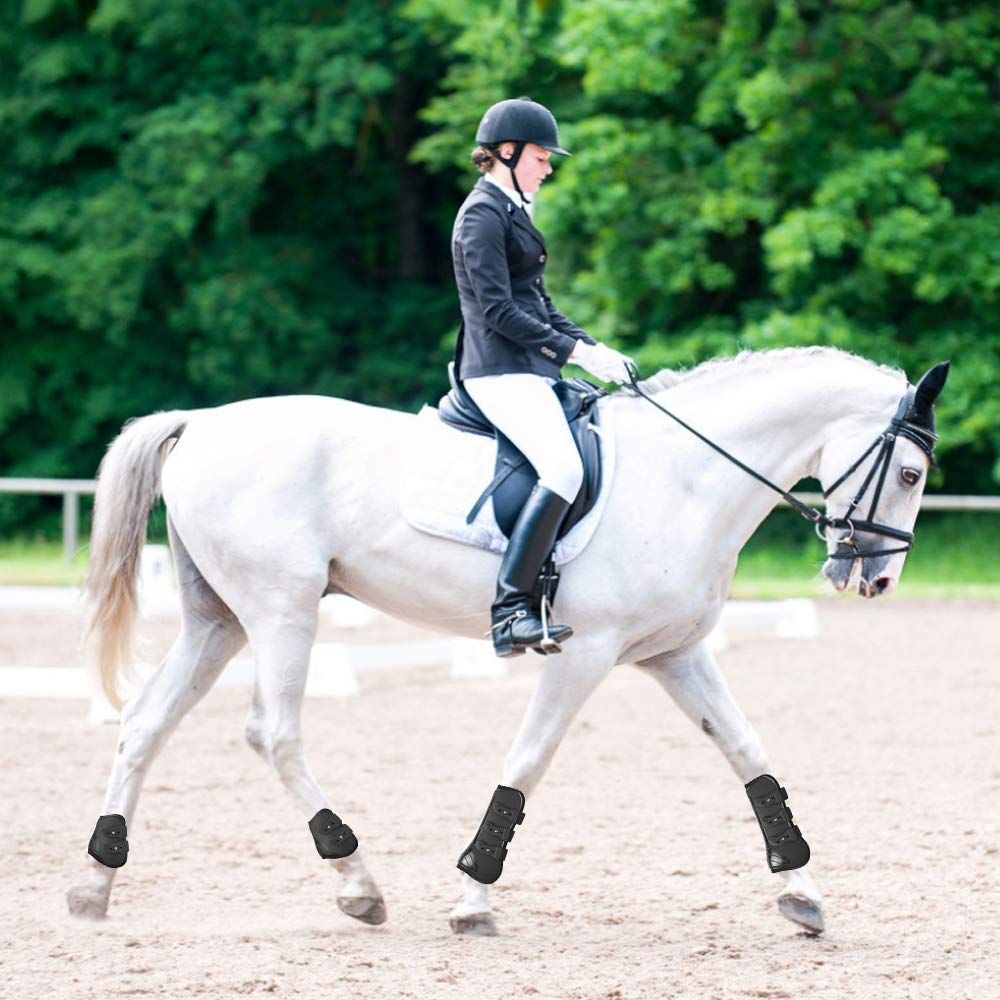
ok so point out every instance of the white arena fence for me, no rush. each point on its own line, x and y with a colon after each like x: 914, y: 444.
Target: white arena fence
x: 336, y: 666
x: 71, y: 490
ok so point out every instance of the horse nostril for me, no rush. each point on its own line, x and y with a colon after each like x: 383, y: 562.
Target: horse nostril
x: 882, y: 584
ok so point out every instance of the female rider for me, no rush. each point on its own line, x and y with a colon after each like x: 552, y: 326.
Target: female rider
x: 512, y: 345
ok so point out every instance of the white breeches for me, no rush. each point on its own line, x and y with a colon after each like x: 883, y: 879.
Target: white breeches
x: 524, y: 407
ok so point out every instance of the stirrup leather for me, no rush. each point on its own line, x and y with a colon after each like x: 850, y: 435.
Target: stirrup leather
x: 784, y: 844
x: 483, y: 858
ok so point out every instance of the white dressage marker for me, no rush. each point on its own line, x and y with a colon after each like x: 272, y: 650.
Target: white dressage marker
x: 795, y: 618
x: 157, y: 586
x: 474, y: 659
x: 43, y: 682
x: 101, y: 710
x: 717, y: 640
x: 800, y: 621
x: 331, y: 672
x: 345, y: 611
x: 14, y: 598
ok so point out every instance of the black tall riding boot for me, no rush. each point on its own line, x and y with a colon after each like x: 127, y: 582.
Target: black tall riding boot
x: 516, y: 625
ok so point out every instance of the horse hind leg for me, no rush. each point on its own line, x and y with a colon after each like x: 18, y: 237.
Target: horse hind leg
x: 210, y: 636
x: 282, y: 643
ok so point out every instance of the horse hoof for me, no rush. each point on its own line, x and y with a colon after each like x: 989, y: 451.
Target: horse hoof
x: 84, y: 902
x: 802, y: 911
x: 367, y: 909
x: 474, y: 924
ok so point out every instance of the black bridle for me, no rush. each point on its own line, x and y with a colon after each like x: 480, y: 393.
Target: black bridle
x: 899, y: 426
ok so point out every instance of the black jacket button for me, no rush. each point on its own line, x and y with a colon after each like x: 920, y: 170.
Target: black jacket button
x: 541, y: 259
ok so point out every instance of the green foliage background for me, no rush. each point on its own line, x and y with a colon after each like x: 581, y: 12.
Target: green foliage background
x: 204, y: 200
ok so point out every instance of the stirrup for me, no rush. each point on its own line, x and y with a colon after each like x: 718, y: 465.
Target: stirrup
x: 783, y: 841
x: 548, y: 644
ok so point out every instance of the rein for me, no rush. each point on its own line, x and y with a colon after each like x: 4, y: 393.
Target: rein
x: 899, y: 426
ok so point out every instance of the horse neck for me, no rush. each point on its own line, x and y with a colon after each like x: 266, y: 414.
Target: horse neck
x: 775, y: 419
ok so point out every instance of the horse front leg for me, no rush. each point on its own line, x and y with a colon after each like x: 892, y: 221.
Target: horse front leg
x: 693, y: 679
x: 564, y: 684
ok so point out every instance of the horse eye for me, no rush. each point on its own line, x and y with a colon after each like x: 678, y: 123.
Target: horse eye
x: 909, y: 476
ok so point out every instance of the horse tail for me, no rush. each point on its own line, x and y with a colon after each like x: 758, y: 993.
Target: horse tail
x: 128, y: 484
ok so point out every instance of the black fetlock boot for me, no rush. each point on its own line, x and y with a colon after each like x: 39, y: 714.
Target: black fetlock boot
x: 108, y: 844
x: 516, y: 624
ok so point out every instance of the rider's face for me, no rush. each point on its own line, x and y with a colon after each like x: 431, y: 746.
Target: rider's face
x: 533, y: 166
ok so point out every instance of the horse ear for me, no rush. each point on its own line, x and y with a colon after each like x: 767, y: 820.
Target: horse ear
x: 928, y: 388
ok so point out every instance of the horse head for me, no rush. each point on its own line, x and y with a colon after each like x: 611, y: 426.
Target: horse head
x: 874, y: 503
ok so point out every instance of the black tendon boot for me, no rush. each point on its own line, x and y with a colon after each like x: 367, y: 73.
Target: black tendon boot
x: 516, y: 625
x: 786, y: 847
x: 483, y: 858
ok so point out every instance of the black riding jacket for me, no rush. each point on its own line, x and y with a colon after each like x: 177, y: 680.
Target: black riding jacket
x: 509, y: 323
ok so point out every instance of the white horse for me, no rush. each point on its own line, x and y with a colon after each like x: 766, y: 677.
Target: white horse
x: 273, y: 503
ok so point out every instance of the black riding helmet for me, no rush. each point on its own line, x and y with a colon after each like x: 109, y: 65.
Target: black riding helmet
x: 519, y: 120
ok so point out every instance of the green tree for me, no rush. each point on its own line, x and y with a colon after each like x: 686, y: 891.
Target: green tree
x: 205, y: 201
x: 758, y: 174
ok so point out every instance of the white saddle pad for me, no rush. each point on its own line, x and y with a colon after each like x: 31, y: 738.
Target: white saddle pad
x: 448, y: 471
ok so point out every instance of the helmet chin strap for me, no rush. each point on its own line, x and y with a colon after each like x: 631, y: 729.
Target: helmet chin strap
x: 510, y: 163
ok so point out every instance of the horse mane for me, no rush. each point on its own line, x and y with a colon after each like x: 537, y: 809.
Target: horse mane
x: 748, y: 360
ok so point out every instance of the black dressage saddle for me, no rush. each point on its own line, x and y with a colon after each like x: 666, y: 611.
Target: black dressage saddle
x: 514, y: 475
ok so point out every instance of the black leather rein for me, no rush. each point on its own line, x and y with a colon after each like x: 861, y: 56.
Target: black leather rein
x: 899, y: 426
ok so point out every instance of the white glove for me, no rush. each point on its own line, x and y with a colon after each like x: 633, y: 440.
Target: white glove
x: 601, y: 361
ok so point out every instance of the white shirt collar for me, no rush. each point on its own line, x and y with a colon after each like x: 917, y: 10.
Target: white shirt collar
x: 510, y: 192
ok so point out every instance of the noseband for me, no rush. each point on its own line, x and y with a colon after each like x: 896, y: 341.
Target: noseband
x: 898, y: 427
